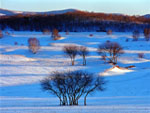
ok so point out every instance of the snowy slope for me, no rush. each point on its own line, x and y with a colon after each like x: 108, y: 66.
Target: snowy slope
x: 4, y: 12
x: 127, y: 90
x: 147, y: 16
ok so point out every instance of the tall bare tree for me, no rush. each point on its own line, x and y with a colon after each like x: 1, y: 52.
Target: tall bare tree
x: 83, y: 51
x: 69, y: 87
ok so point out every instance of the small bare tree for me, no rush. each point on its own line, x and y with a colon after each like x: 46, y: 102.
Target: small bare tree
x: 135, y: 35
x: 1, y: 34
x: 34, y: 45
x: 109, y: 32
x: 69, y: 87
x: 55, y: 34
x: 140, y: 55
x: 90, y: 35
x: 147, y: 34
x: 71, y: 51
x: 110, y: 51
x: 83, y: 51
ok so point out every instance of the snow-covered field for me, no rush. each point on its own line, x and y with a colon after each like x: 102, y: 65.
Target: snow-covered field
x: 127, y: 90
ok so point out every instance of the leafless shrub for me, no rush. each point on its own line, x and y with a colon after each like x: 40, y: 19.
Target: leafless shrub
x: 147, y: 34
x: 110, y: 51
x: 127, y: 40
x: 70, y: 86
x: 132, y: 66
x: 34, y: 45
x: 71, y: 51
x: 91, y: 35
x: 83, y: 51
x: 109, y: 32
x: 1, y: 34
x: 141, y: 55
x: 135, y: 35
x: 15, y: 43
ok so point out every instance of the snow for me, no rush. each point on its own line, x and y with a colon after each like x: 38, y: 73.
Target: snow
x: 115, y: 71
x: 11, y: 12
x: 18, y: 58
x: 127, y: 89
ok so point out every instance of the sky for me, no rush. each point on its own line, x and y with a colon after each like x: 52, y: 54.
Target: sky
x: 130, y: 7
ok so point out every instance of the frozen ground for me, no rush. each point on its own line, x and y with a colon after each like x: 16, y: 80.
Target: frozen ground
x: 127, y: 90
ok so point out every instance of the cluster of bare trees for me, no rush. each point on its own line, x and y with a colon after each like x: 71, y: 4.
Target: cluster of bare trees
x: 110, y: 51
x: 146, y: 32
x: 34, y: 45
x: 54, y: 34
x: 69, y: 87
x: 72, y: 51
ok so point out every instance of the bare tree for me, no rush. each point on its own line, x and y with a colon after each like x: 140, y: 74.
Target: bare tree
x: 135, y: 35
x: 140, y: 55
x: 55, y: 34
x: 109, y: 32
x: 110, y: 51
x: 69, y: 87
x: 52, y: 85
x: 71, y: 51
x: 83, y: 51
x: 96, y: 84
x: 1, y: 34
x: 147, y: 34
x: 34, y: 45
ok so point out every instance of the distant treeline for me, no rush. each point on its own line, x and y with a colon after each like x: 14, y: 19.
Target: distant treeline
x: 75, y: 22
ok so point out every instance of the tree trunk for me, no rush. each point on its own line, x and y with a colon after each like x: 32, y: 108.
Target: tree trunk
x: 72, y: 61
x: 85, y: 100
x: 84, y: 61
x: 60, y: 101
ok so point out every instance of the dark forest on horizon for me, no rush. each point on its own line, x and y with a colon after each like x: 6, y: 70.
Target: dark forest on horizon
x: 78, y: 21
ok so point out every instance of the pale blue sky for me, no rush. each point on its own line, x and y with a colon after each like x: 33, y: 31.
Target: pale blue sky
x: 131, y: 7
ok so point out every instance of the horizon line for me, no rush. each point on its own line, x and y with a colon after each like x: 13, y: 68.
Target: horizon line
x: 72, y: 9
